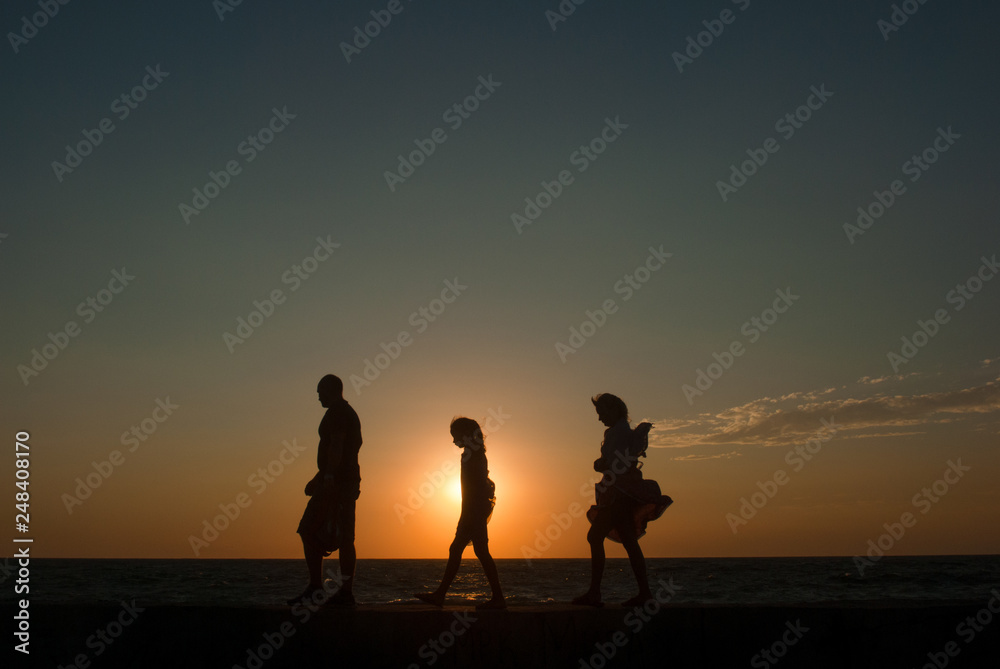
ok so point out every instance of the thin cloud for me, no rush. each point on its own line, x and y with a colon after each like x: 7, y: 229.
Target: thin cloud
x: 874, y: 380
x: 698, y: 456
x: 797, y: 417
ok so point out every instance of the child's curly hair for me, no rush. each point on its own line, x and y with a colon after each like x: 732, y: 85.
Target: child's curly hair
x: 610, y: 403
x: 467, y: 432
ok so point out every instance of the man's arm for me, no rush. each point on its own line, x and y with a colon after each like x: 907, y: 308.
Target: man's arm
x: 335, y: 453
x: 332, y: 444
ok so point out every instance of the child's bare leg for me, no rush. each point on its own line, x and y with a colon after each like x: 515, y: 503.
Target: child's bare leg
x: 627, y: 532
x: 454, y: 562
x: 638, y: 562
x: 595, y: 537
x: 451, y: 569
x: 482, y: 549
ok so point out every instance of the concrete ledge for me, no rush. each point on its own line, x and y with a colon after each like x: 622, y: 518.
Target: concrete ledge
x: 816, y: 636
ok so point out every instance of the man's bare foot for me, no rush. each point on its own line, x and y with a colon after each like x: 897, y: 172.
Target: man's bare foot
x: 343, y: 599
x: 495, y: 603
x: 431, y: 598
x: 589, y: 599
x: 307, y: 594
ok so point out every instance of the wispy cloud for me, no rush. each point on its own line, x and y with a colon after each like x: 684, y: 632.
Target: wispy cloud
x: 706, y: 456
x: 857, y: 414
x: 874, y: 380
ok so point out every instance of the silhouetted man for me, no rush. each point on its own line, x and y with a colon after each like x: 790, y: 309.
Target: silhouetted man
x: 328, y: 522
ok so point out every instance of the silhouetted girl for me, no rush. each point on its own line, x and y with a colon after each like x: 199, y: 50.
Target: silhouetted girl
x: 478, y: 500
x: 625, y: 501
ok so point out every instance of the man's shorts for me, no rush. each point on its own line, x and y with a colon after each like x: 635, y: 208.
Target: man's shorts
x: 316, y: 521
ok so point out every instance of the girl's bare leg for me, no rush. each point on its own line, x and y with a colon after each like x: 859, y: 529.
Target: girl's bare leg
x: 481, y: 546
x: 595, y: 537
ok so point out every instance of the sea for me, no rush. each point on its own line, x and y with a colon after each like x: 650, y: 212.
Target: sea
x: 725, y: 581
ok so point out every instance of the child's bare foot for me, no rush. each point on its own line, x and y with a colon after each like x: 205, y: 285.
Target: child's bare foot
x: 495, y: 603
x: 431, y: 598
x: 638, y: 600
x: 589, y: 599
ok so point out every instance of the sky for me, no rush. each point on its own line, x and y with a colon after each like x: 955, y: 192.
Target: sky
x: 769, y: 227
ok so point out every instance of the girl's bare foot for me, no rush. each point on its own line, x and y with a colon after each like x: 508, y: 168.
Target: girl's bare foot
x: 638, y: 600
x: 495, y: 603
x: 431, y: 598
x: 589, y: 599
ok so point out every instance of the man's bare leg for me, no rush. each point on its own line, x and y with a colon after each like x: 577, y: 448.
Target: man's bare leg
x: 348, y: 562
x: 314, y: 565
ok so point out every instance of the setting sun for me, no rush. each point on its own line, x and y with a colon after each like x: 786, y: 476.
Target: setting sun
x: 454, y: 489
